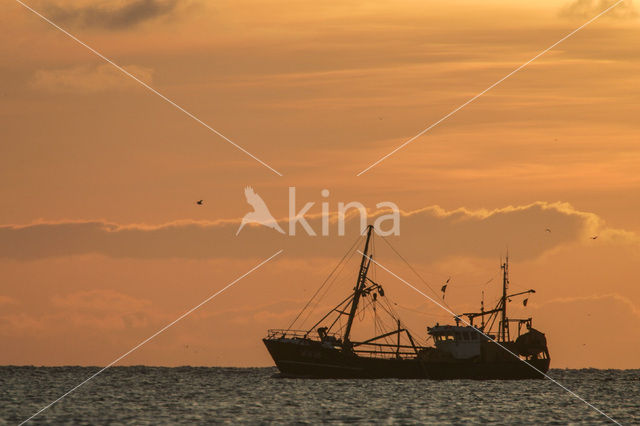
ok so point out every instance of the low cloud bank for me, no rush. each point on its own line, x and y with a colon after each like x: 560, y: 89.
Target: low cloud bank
x: 88, y: 79
x: 107, y: 15
x: 425, y: 235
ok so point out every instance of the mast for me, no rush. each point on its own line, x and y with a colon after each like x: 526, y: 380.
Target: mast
x: 398, y: 349
x: 504, y: 323
x: 482, y: 311
x: 362, y: 277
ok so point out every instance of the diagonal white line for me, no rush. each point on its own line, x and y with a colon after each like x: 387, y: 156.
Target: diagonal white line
x: 493, y: 340
x: 490, y: 87
x: 128, y: 74
x: 153, y: 335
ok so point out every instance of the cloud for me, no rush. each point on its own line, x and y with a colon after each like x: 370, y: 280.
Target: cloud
x: 106, y: 15
x: 427, y: 234
x: 586, y: 9
x: 6, y: 301
x: 95, y: 309
x: 99, y: 301
x: 88, y: 79
x: 106, y: 309
x: 579, y: 330
x: 596, y: 299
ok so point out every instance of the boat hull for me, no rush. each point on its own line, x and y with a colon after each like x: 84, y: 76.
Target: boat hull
x: 313, y: 359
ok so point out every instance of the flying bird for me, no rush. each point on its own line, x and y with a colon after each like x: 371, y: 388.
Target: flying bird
x: 525, y: 301
x: 260, y: 213
x: 548, y: 230
x: 444, y: 287
x: 200, y: 202
x: 595, y: 237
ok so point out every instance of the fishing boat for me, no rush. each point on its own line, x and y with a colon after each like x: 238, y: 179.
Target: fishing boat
x: 484, y: 345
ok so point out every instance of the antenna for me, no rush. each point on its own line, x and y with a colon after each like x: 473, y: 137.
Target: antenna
x: 504, y: 323
x: 482, y: 310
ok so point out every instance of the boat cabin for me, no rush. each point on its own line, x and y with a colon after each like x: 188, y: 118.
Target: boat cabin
x: 461, y: 342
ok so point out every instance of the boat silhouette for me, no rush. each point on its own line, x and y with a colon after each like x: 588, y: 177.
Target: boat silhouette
x: 483, y: 347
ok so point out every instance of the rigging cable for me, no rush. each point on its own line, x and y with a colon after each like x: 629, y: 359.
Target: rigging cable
x: 331, y: 283
x: 333, y: 280
x: 416, y: 272
x: 325, y: 282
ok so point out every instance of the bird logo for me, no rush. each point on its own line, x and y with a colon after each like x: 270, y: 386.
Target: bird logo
x: 260, y: 213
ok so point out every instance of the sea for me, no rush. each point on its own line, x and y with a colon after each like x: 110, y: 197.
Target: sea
x: 212, y: 395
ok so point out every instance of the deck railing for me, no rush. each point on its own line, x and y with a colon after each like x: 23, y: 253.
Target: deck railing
x: 369, y: 349
x: 296, y: 334
x: 384, y: 354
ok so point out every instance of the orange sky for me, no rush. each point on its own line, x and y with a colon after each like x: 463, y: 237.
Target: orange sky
x: 101, y: 243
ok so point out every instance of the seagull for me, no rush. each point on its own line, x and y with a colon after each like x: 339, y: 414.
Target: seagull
x: 444, y: 287
x: 260, y: 213
x: 595, y: 237
x: 200, y: 202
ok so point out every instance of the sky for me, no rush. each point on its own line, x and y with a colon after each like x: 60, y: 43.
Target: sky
x: 102, y: 244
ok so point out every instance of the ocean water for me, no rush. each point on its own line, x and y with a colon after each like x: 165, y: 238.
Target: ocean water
x: 199, y: 395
